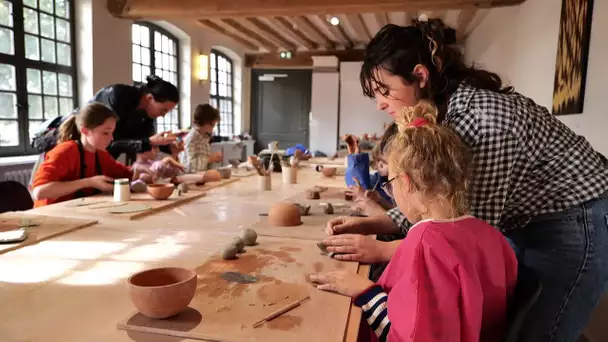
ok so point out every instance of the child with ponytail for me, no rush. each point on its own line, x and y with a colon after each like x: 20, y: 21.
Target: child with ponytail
x: 450, y: 279
x: 79, y: 165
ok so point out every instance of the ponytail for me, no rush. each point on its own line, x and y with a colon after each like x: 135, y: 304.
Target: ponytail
x: 92, y: 115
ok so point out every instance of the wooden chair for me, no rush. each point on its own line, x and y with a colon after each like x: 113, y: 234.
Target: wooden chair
x: 14, y: 196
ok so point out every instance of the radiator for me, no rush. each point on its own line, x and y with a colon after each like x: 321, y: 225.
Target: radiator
x: 20, y: 175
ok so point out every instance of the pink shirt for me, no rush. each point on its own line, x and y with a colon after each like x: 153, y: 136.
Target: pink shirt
x: 448, y: 281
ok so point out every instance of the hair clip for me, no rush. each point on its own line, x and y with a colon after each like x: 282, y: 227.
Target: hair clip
x: 418, y: 122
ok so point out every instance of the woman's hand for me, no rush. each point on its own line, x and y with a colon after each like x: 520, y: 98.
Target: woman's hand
x: 176, y: 148
x: 101, y: 183
x: 342, y: 225
x: 368, y: 206
x: 361, y: 248
x: 343, y: 282
x: 163, y: 138
x: 139, y: 170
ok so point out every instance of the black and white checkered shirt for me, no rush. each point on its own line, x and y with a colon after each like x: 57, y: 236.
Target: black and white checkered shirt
x: 525, y: 161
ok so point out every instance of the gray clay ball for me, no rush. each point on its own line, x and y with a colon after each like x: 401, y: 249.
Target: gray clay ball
x: 183, y: 187
x: 239, y: 243
x: 249, y: 236
x: 229, y: 251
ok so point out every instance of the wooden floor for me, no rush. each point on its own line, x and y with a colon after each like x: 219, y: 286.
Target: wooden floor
x: 73, y: 287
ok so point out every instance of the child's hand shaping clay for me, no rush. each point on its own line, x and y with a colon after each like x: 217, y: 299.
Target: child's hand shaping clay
x: 346, y: 283
x: 216, y: 157
x: 352, y: 144
x: 173, y: 163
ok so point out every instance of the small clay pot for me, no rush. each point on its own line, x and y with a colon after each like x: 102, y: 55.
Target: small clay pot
x: 327, y: 171
x: 162, y: 292
x: 160, y: 191
x: 313, y: 195
x: 225, y: 172
x: 328, y: 209
x: 212, y: 176
x: 284, y: 215
x: 348, y: 196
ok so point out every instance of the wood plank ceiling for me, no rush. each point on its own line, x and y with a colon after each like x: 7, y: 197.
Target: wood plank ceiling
x: 267, y: 27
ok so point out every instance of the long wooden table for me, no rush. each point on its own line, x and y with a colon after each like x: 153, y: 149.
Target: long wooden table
x: 73, y: 287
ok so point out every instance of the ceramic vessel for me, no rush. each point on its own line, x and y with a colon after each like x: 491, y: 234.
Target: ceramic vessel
x: 290, y: 175
x: 160, y: 191
x: 284, y: 215
x: 264, y: 183
x: 162, y: 292
x: 225, y: 172
x: 212, y: 176
x: 327, y: 171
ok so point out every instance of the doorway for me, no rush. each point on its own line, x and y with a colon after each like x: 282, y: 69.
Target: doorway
x: 280, y: 107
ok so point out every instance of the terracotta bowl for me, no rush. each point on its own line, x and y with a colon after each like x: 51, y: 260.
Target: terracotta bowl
x: 160, y: 191
x: 284, y: 215
x: 329, y: 171
x: 212, y: 176
x: 225, y: 172
x: 162, y: 292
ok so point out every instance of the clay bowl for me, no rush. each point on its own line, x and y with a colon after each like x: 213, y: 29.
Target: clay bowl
x: 212, y: 176
x: 162, y: 292
x: 160, y: 191
x: 329, y: 171
x: 225, y: 172
x: 284, y: 215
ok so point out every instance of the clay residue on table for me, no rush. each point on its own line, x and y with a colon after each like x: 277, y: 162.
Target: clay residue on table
x: 284, y: 322
x: 284, y: 256
x: 275, y: 293
x: 318, y: 266
x: 291, y: 249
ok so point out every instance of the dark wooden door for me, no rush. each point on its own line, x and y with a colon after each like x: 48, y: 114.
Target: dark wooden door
x: 280, y: 107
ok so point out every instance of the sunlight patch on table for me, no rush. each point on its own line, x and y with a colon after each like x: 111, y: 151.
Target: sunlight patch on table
x: 153, y: 251
x: 25, y: 270
x: 104, y: 273
x: 79, y: 250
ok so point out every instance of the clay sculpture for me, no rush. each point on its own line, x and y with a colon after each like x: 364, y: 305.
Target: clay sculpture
x: 313, y: 195
x: 284, y: 215
x: 249, y: 236
x: 240, y: 244
x: 304, y: 209
x: 348, y: 196
x: 183, y: 187
x: 229, y: 251
x: 328, y: 209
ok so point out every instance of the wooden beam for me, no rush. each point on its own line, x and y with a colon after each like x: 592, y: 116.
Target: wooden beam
x: 295, y: 32
x: 260, y: 25
x: 217, y: 28
x: 356, y: 21
x: 338, y: 33
x: 381, y: 19
x: 464, y: 19
x: 299, y: 59
x: 437, y: 14
x: 270, y: 46
x: 203, y: 9
x: 305, y: 24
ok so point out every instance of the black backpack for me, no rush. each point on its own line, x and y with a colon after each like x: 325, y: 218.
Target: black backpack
x: 47, y: 136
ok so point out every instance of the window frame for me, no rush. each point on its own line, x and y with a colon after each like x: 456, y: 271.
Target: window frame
x: 21, y: 64
x: 217, y: 96
x: 152, y: 28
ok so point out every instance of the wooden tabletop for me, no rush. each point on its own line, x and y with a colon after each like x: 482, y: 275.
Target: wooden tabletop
x: 73, y: 287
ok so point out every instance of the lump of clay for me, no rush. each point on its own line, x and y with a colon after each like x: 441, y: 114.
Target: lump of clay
x: 240, y: 244
x: 183, y: 187
x: 328, y: 209
x: 313, y: 195
x: 138, y: 186
x: 348, y: 196
x: 249, y: 236
x: 229, y: 251
x: 304, y: 209
x: 284, y: 215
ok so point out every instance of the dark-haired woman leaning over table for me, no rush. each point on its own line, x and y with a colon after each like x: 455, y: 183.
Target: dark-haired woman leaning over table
x: 544, y: 186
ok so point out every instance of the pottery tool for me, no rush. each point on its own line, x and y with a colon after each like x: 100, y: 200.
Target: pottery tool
x: 367, y: 192
x: 108, y: 205
x: 132, y: 208
x: 281, y: 311
x: 83, y: 202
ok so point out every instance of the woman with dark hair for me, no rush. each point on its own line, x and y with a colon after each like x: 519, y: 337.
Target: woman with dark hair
x: 544, y: 186
x: 137, y: 107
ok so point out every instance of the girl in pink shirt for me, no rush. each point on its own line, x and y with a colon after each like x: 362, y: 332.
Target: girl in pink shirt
x: 451, y: 278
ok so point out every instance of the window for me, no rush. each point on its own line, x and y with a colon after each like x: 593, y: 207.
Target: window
x: 222, y: 96
x: 155, y: 52
x: 37, y: 71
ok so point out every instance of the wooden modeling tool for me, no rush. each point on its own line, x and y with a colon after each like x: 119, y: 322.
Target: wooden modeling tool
x: 280, y: 311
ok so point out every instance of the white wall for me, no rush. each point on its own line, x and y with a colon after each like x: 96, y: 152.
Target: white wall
x: 324, y: 112
x: 104, y: 56
x: 520, y: 44
x: 358, y: 114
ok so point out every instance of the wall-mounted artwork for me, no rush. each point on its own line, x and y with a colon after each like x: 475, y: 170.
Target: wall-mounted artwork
x: 572, y: 55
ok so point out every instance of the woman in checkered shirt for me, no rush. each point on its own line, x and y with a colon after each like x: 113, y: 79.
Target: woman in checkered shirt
x: 544, y: 186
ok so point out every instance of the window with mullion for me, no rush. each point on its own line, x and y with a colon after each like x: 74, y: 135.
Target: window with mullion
x: 37, y: 71
x: 221, y: 92
x: 156, y: 52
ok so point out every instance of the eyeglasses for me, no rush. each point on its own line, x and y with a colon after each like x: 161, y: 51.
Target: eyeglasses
x: 387, y: 187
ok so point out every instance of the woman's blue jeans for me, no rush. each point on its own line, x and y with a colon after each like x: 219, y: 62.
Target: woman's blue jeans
x: 569, y: 252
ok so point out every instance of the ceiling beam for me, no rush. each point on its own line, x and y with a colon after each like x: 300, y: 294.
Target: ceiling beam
x: 217, y: 28
x: 268, y: 45
x: 381, y: 19
x: 200, y: 9
x: 295, y: 32
x: 338, y: 32
x: 464, y: 19
x: 299, y: 59
x: 305, y: 24
x: 356, y: 21
x: 263, y: 27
